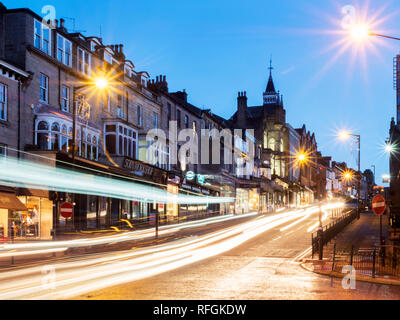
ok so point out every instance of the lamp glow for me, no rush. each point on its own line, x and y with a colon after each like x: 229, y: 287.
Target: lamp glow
x: 360, y: 32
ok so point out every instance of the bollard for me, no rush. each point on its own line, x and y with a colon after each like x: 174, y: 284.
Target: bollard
x: 321, y: 243
x: 373, y: 264
x: 351, y: 255
x: 334, y: 257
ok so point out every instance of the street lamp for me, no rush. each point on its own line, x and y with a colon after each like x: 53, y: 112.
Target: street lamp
x: 344, y: 135
x: 100, y: 83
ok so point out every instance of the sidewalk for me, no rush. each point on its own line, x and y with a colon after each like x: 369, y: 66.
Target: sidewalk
x: 361, y: 234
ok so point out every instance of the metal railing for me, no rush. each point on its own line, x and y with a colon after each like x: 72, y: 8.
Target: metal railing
x: 323, y: 237
x: 382, y: 261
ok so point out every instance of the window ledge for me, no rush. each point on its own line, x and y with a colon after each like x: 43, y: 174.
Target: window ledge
x: 4, y: 123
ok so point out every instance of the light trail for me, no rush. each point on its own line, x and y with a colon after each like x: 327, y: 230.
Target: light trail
x: 93, y: 273
x: 27, y: 174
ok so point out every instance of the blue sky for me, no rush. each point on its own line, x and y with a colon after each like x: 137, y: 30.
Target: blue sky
x: 214, y: 49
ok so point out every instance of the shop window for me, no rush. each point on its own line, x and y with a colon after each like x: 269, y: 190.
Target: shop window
x: 3, y: 150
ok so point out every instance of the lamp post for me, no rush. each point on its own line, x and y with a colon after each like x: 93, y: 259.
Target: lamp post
x: 99, y: 83
x: 345, y: 136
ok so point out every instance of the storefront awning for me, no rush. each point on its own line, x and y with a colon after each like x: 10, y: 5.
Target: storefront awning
x: 10, y: 201
x: 33, y: 193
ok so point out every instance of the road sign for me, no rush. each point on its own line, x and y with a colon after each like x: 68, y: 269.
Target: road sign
x: 378, y: 205
x: 66, y: 210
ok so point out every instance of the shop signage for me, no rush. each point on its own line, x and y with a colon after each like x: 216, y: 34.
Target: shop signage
x: 67, y: 210
x: 201, y: 179
x: 136, y: 166
x: 190, y: 175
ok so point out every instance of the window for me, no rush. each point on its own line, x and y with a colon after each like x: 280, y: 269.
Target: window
x: 155, y: 120
x: 169, y: 108
x: 65, y: 98
x: 194, y: 127
x: 42, y: 135
x: 186, y: 122
x: 83, y: 62
x: 120, y: 103
x: 121, y: 140
x: 64, y: 50
x: 44, y: 88
x: 140, y: 116
x: 3, y: 150
x: 178, y: 118
x: 3, y: 102
x: 42, y: 37
x: 169, y: 114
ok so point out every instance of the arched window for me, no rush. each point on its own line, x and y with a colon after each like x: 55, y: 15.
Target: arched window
x: 64, y: 138
x: 281, y: 146
x: 70, y: 139
x: 55, y: 136
x: 42, y: 135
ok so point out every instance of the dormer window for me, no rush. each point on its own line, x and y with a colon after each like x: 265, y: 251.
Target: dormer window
x: 42, y: 37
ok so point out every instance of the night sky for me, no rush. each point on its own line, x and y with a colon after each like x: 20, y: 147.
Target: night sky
x: 214, y: 49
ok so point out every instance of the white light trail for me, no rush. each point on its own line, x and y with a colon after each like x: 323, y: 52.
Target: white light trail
x: 26, y: 174
x: 88, y: 273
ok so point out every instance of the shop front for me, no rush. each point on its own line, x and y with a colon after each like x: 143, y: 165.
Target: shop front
x: 197, y: 211
x: 24, y: 217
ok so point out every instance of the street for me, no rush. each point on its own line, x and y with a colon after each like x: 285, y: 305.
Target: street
x: 255, y: 259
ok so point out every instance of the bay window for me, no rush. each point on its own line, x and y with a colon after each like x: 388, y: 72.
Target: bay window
x: 120, y: 140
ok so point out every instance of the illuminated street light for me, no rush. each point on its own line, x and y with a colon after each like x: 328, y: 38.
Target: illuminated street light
x: 360, y: 32
x: 101, y: 83
x: 344, y: 136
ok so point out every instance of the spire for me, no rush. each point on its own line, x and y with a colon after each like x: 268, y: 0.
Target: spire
x: 270, y: 86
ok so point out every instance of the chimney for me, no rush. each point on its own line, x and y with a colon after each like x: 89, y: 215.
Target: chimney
x: 62, y: 23
x: 242, y: 108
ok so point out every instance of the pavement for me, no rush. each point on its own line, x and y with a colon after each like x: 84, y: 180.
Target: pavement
x: 361, y: 234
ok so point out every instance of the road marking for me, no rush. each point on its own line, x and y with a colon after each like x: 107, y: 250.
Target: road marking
x: 302, y: 255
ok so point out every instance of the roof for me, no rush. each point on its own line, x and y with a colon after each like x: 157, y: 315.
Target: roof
x: 270, y: 85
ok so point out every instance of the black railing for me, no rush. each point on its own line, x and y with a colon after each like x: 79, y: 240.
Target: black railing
x: 330, y: 231
x: 381, y: 261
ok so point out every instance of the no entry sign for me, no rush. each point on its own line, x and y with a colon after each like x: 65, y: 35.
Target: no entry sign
x: 378, y: 205
x: 66, y: 210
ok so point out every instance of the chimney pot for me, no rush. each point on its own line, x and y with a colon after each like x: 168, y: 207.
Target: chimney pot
x: 62, y: 22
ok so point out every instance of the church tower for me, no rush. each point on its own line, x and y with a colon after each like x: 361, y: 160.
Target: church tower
x: 270, y: 95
